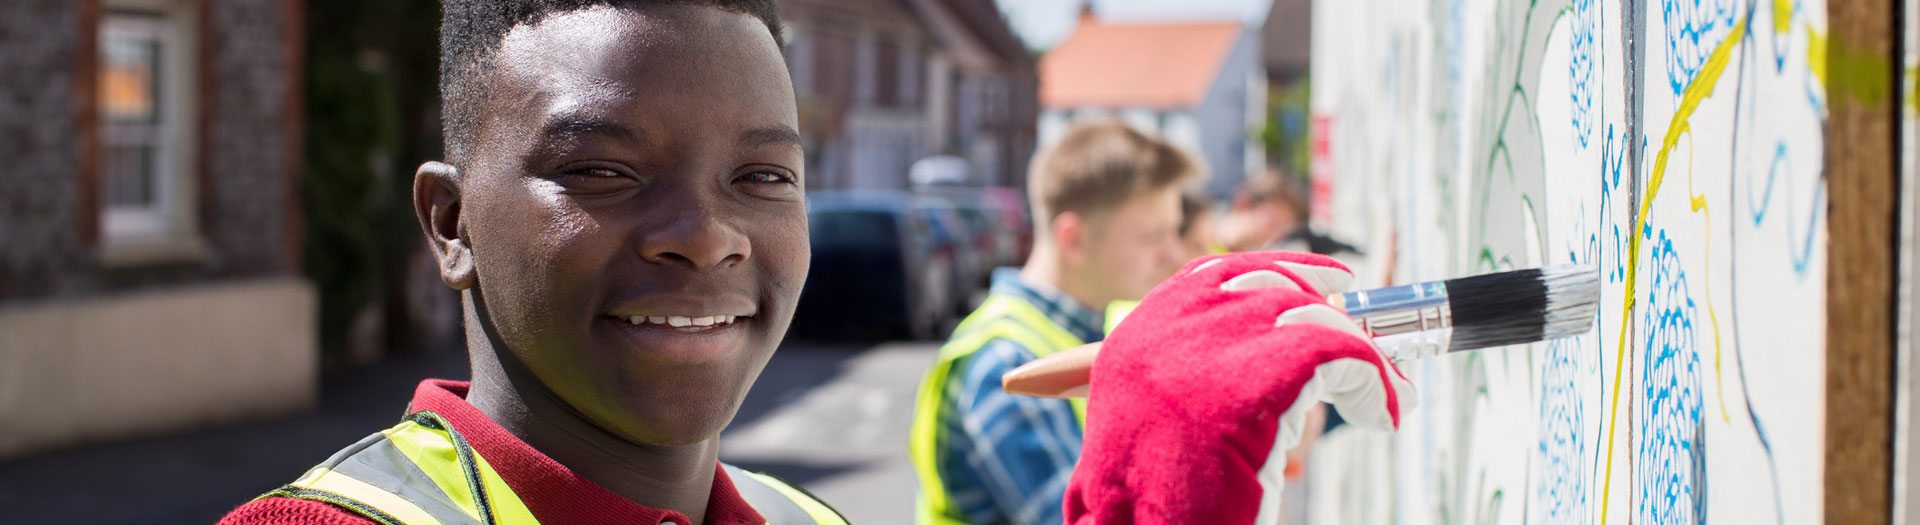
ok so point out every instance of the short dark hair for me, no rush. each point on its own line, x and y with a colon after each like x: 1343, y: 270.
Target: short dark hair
x: 471, y: 31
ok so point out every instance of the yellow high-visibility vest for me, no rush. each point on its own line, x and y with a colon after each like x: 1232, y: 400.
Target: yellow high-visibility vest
x: 999, y: 317
x: 422, y: 472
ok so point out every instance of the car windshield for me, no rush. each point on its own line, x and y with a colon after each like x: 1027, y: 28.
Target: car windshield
x: 852, y: 228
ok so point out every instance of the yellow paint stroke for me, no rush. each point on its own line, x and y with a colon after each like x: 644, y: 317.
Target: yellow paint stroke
x: 1699, y: 203
x: 1782, y: 22
x: 1817, y: 54
x: 1913, y: 89
x: 1701, y: 86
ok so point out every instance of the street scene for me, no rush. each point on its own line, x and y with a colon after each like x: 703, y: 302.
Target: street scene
x: 740, y: 262
x: 253, y: 338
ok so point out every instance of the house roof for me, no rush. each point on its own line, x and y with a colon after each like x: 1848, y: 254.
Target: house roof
x: 1287, y: 37
x: 1162, y: 65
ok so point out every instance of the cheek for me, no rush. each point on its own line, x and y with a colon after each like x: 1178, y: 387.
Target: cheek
x: 539, y: 253
x: 556, y: 238
x: 784, y: 251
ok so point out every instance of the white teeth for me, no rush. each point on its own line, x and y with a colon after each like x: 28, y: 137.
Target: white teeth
x: 683, y: 322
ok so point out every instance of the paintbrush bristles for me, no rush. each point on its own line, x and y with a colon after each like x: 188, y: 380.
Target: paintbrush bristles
x: 1522, y: 306
x: 1573, y: 299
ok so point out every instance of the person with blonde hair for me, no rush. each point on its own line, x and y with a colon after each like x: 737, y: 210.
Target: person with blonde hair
x: 1107, y: 212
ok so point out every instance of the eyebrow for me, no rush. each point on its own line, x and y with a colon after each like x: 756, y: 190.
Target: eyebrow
x: 779, y: 135
x: 570, y: 127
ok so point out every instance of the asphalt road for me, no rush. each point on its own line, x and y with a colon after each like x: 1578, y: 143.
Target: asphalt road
x: 832, y: 419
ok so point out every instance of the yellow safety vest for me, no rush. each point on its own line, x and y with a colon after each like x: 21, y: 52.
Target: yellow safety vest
x: 1117, y: 311
x: 422, y: 472
x: 1000, y: 317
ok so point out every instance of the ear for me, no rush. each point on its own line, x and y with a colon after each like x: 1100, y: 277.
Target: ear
x: 436, y: 202
x: 1069, y: 232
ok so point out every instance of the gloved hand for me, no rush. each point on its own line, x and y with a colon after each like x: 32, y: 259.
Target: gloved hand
x: 1195, y: 398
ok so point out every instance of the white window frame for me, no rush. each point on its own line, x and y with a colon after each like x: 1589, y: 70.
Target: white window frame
x: 166, y: 230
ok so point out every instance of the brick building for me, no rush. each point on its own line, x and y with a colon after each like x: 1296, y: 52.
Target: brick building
x: 883, y: 83
x: 149, y: 221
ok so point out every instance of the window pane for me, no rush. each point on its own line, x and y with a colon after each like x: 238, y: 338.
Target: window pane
x: 129, y: 72
x: 127, y: 183
x: 133, y: 47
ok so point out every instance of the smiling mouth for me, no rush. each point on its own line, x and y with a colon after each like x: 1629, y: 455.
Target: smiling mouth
x: 683, y: 323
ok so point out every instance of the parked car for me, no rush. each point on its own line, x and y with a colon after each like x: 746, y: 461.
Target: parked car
x: 877, y: 269
x: 997, y: 213
x: 1013, y: 220
x: 953, y: 233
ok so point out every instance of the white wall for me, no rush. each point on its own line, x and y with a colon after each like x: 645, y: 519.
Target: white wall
x: 154, y: 361
x: 1468, y: 136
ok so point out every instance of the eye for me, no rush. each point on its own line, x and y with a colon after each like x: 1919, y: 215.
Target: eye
x: 595, y: 179
x: 768, y: 182
x: 593, y: 172
x: 767, y: 177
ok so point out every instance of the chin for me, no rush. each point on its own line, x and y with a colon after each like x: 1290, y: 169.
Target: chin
x: 674, y: 413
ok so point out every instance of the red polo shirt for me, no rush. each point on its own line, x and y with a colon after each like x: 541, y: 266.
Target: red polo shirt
x: 553, y: 493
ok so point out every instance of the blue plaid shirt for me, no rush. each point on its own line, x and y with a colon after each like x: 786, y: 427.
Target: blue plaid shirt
x: 1007, y: 458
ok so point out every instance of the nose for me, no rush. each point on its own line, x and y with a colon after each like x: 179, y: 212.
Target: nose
x: 695, y: 237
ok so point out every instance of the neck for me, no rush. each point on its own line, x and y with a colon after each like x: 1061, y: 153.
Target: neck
x: 1045, y: 266
x: 676, y: 478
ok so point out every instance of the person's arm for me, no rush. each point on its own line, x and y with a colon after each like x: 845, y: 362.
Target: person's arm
x: 1018, y: 451
x: 1196, y: 397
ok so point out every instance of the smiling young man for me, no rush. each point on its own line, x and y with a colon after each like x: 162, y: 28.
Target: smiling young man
x: 622, y: 212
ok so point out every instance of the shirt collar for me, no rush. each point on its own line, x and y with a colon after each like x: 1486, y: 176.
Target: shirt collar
x: 552, y: 492
x: 1082, y: 321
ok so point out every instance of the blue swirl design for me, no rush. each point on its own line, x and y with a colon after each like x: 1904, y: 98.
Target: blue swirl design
x: 1580, y: 69
x: 1563, y: 454
x: 1670, y: 469
x: 1694, y: 28
x: 1613, y: 165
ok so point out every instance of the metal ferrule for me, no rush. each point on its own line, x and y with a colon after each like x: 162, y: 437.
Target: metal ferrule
x: 1401, y: 309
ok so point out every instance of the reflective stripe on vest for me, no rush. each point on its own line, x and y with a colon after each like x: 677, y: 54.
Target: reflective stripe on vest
x: 421, y: 472
x: 999, y: 317
x: 1117, y: 311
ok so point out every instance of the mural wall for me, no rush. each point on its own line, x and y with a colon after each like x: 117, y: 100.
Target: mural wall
x: 1674, y: 145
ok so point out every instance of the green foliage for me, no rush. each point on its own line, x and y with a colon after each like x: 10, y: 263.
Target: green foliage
x: 1287, y: 135
x: 361, y: 140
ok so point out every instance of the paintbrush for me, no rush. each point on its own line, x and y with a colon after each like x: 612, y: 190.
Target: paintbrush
x: 1407, y: 322
x: 1496, y: 309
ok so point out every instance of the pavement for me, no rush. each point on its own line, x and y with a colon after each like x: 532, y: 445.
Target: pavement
x: 832, y: 419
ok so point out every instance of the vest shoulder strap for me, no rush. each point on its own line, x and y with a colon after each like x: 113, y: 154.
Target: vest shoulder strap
x: 373, y: 479
x: 1005, y: 317
x: 419, y: 471
x: 781, y: 502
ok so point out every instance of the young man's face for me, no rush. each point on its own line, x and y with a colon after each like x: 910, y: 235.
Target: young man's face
x: 1131, y: 247
x: 639, y: 164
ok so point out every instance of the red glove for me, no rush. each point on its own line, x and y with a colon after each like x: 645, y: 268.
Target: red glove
x: 1197, y: 395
